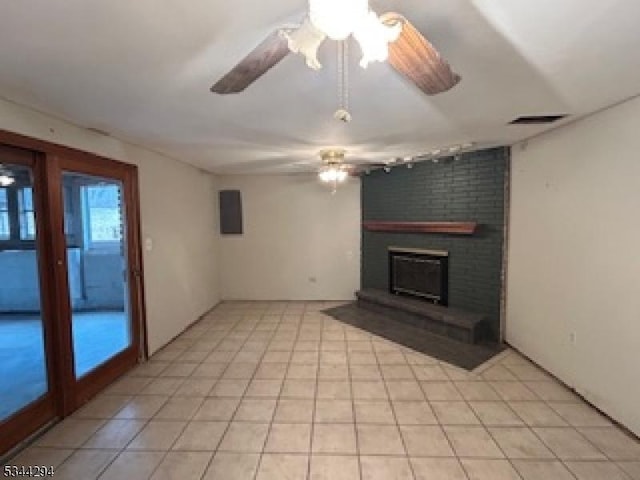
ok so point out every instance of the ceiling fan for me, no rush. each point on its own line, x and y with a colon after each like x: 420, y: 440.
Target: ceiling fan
x: 388, y: 36
x: 334, y: 170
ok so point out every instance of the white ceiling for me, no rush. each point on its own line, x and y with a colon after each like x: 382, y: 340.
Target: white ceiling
x: 142, y: 69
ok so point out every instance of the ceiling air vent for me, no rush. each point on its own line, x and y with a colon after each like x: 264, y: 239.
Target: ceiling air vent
x: 536, y: 119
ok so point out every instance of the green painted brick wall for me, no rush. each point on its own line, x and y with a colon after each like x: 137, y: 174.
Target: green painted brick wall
x: 470, y: 188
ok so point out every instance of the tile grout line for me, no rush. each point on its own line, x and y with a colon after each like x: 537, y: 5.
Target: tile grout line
x: 240, y: 400
x: 395, y: 418
x: 524, y: 426
x: 442, y: 429
x: 315, y: 400
x: 446, y: 434
x: 257, y: 326
x: 257, y: 468
x: 527, y: 427
x: 169, y: 450
x: 273, y: 415
x: 568, y: 426
x: 146, y: 423
x: 353, y: 405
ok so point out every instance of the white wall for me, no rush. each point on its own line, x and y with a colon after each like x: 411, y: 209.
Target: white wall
x: 178, y: 212
x: 295, y: 232
x: 574, y: 257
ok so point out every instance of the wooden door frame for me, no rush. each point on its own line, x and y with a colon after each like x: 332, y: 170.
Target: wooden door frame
x: 69, y: 395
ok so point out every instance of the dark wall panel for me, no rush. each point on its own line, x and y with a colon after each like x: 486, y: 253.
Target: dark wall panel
x: 230, y: 212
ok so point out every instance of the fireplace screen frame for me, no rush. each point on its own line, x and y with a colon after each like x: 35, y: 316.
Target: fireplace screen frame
x: 434, y: 257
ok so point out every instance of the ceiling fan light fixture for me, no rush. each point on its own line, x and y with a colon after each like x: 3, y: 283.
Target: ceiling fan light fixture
x: 306, y: 41
x: 337, y: 18
x: 374, y: 38
x: 333, y: 174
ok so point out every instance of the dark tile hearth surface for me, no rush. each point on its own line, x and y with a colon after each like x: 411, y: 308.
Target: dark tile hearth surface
x: 463, y: 355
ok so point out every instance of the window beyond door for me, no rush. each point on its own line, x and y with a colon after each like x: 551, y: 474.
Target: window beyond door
x: 97, y: 269
x: 4, y: 215
x: 26, y: 214
x: 17, y: 214
x: 103, y: 216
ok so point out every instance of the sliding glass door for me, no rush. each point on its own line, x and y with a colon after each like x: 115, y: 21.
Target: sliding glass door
x: 96, y: 246
x: 70, y: 282
x: 23, y: 366
x: 99, y: 260
x: 25, y: 394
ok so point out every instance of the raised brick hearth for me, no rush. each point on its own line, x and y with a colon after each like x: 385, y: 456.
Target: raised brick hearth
x: 454, y: 323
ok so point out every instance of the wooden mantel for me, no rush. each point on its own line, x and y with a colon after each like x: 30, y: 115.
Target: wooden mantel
x: 452, y: 228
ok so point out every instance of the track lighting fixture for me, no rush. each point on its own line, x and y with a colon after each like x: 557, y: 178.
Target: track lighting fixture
x: 442, y: 155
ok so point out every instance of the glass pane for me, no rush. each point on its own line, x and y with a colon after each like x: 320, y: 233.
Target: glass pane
x: 105, y: 216
x: 97, y: 262
x: 23, y: 370
x: 4, y: 225
x: 25, y: 210
x: 68, y: 214
x: 5, y: 234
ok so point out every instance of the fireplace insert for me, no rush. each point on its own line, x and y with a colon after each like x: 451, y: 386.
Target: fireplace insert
x: 419, y: 273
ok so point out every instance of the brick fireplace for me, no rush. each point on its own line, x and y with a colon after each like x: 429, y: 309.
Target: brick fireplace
x: 470, y: 188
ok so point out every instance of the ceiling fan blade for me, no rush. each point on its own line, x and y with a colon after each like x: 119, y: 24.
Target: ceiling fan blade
x: 266, y: 55
x: 413, y: 56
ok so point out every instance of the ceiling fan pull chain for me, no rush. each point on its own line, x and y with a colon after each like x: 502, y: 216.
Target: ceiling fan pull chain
x: 340, y: 75
x: 342, y: 113
x: 345, y: 75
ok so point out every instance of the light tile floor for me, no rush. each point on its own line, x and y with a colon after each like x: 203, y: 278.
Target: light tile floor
x: 279, y: 391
